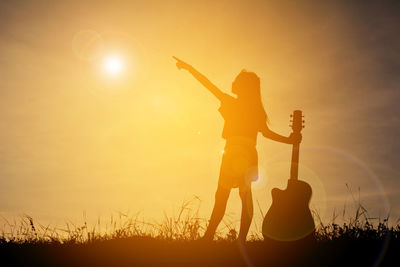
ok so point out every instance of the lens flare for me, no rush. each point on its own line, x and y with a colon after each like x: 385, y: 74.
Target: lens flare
x: 87, y: 45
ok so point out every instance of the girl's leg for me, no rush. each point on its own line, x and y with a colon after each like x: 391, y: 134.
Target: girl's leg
x: 247, y: 211
x: 221, y: 198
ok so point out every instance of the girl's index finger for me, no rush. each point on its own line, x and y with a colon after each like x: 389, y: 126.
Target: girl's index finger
x: 176, y: 58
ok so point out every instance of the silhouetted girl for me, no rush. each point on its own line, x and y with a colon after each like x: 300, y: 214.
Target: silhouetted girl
x: 244, y: 117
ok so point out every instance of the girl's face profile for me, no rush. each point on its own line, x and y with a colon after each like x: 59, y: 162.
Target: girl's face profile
x: 236, y: 86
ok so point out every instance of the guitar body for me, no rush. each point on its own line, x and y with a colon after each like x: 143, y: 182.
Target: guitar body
x: 289, y: 217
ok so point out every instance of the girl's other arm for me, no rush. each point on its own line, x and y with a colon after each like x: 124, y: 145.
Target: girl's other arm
x: 201, y: 78
x: 292, y: 139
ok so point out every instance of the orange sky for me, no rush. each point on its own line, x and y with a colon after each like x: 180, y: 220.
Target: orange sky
x: 75, y: 140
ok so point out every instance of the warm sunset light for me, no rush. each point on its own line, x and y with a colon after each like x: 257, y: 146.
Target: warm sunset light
x: 143, y: 123
x: 113, y: 65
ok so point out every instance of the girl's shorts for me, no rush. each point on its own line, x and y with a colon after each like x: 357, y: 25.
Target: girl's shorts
x: 239, y: 166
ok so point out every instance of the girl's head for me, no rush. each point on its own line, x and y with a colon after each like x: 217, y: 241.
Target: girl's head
x: 246, y: 85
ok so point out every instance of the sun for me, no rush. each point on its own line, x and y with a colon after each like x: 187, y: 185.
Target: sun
x: 113, y: 65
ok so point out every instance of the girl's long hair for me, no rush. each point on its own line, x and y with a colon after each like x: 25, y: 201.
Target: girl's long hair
x: 250, y: 91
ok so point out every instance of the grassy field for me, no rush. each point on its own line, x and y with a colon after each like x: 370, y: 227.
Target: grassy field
x: 129, y: 241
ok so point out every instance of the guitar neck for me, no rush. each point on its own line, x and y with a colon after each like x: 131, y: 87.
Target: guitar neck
x: 297, y: 126
x: 294, y: 168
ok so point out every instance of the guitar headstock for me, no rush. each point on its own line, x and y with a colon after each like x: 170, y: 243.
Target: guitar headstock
x: 297, y: 121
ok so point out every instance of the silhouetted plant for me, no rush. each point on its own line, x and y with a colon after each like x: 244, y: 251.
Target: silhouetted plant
x: 185, y: 225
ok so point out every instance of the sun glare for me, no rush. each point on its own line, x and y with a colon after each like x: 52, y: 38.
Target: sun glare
x: 113, y: 65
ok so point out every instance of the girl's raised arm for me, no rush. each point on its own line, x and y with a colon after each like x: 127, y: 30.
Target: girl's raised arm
x: 201, y: 78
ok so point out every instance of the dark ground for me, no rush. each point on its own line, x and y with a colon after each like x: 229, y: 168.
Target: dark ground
x: 153, y: 252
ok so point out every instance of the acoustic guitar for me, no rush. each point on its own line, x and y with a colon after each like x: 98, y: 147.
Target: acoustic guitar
x: 289, y: 217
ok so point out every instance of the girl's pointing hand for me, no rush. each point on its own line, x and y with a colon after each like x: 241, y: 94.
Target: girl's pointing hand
x: 181, y: 64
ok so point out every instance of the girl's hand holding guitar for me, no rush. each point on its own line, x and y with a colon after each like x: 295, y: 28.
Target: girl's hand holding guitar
x: 295, y: 138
